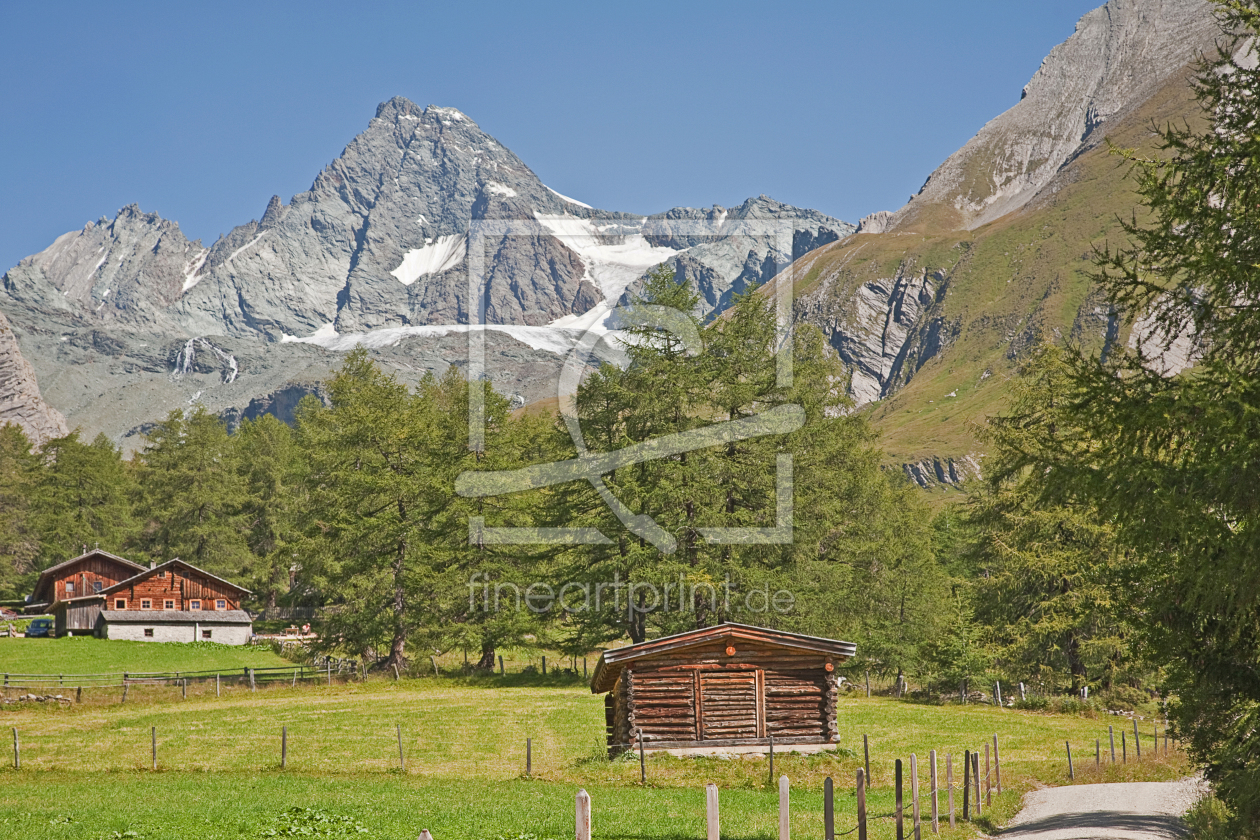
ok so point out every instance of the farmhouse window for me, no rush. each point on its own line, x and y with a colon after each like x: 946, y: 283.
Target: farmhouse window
x: 148, y: 632
x: 69, y: 587
x: 96, y: 586
x: 205, y: 634
x: 162, y: 574
x: 168, y: 604
x: 194, y: 605
x: 120, y: 603
x: 146, y: 604
x: 220, y: 604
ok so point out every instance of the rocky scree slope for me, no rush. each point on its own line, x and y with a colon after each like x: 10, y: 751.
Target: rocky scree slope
x: 932, y: 306
x: 20, y: 401
x: 126, y: 318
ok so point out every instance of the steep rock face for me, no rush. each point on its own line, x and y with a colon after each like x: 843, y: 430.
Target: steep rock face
x: 20, y: 401
x: 931, y: 473
x: 1119, y: 55
x: 381, y: 237
x: 873, y: 327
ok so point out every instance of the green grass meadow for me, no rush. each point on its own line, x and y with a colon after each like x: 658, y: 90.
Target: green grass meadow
x: 86, y: 767
x: 88, y: 655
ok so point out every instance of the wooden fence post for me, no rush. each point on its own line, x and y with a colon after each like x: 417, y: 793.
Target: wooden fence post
x: 583, y: 667
x: 153, y: 736
x: 501, y: 672
x: 126, y: 684
x: 217, y: 688
x: 975, y: 778
x: 1023, y: 692
x: 785, y: 815
x: 967, y: 785
x: 914, y: 796
x: 544, y: 671
x: 712, y: 823
x: 988, y: 777
x: 529, y: 757
x: 284, y: 747
x: 997, y: 764
x: 1137, y: 740
x: 1111, y: 735
x: 898, y: 811
x: 829, y: 812
x: 582, y: 819
x: 252, y: 685
x: 936, y: 822
x: 402, y: 762
x: 425, y: 835
x: 642, y: 761
x: 184, y: 687
x: 1124, y: 748
x: 866, y: 750
x: 1165, y: 738
x: 1071, y: 774
x: 868, y: 694
x: 17, y: 751
x: 862, y: 784
x: 1098, y: 754
x: 949, y: 787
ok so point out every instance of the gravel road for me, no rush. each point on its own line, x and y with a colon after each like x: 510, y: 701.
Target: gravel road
x: 1128, y: 811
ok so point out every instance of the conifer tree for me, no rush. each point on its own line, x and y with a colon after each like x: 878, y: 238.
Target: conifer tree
x: 1172, y: 462
x: 82, y: 498
x: 192, y: 495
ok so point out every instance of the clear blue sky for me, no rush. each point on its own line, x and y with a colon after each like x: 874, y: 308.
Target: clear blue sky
x: 201, y: 111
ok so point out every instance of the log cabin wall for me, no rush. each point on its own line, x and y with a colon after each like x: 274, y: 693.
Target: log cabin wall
x: 176, y: 585
x: 82, y: 578
x: 701, y: 694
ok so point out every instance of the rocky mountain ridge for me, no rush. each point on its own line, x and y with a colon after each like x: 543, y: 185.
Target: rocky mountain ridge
x: 126, y: 318
x: 932, y: 306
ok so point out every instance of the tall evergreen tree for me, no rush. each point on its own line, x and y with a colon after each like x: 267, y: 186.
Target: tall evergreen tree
x: 82, y: 498
x: 1173, y: 461
x: 192, y: 495
x: 267, y: 458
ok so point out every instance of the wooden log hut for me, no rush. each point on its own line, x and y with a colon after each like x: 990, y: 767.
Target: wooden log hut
x: 732, y: 686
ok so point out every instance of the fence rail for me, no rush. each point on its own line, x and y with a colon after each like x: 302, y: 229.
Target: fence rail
x: 123, y: 679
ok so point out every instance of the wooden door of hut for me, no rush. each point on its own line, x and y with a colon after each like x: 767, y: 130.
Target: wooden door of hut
x: 731, y: 686
x: 728, y: 705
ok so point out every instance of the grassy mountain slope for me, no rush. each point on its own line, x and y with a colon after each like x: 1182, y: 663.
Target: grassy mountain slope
x: 1000, y: 289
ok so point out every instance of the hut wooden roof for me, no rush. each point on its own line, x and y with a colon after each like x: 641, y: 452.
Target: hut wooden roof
x: 611, y: 662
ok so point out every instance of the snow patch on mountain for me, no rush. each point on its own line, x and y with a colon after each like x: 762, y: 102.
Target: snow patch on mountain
x: 431, y: 258
x: 558, y: 340
x: 615, y: 254
x: 570, y: 200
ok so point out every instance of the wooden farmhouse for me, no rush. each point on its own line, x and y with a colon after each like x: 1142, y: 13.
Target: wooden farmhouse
x: 174, y: 602
x: 109, y: 596
x: 71, y: 591
x: 729, y: 688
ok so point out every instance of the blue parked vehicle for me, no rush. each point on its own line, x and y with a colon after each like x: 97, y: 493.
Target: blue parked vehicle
x: 40, y: 628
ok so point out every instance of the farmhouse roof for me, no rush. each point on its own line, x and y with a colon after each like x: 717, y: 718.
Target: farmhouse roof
x: 176, y: 616
x: 94, y: 552
x: 170, y: 564
x: 611, y: 662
